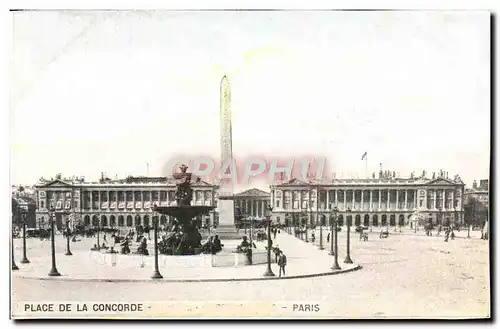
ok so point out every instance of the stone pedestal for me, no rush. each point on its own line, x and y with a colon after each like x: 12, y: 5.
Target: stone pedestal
x: 226, y: 212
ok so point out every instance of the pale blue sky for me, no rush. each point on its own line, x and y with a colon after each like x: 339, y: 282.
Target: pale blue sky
x: 110, y: 91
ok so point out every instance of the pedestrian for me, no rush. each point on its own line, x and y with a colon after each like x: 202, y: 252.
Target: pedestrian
x: 447, y: 235
x: 328, y: 238
x: 274, y: 233
x: 105, y: 238
x: 282, y: 263
x: 452, y: 235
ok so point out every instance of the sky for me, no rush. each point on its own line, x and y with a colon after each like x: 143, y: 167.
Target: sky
x: 111, y: 91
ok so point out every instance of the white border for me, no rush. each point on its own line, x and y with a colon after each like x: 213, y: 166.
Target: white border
x: 6, y: 21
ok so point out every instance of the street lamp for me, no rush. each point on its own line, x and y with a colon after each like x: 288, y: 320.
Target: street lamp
x: 333, y: 251
x: 53, y: 270
x: 98, y: 224
x: 156, y: 273
x: 307, y: 218
x: 14, y: 266
x: 25, y: 259
x: 333, y: 219
x: 348, y: 259
x: 321, y: 233
x: 268, y: 271
x: 68, y: 233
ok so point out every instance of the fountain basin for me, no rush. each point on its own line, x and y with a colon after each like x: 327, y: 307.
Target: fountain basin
x: 222, y: 259
x: 184, y: 212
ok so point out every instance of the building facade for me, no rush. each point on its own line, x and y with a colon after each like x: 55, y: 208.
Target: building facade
x: 252, y: 203
x: 123, y: 203
x: 479, y: 192
x: 385, y: 201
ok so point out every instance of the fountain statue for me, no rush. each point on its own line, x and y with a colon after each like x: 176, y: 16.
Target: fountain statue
x: 184, y: 238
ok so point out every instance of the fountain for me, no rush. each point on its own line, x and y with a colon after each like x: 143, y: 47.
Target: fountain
x: 185, y: 239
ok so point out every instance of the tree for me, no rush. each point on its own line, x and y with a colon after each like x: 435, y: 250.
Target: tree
x: 475, y: 212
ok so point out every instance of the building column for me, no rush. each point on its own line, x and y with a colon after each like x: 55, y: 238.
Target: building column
x: 443, y: 205
x: 397, y: 200
x: 415, y: 196
x: 345, y: 199
x: 362, y: 200
x: 452, y: 199
x: 406, y: 199
x: 99, y: 200
x: 379, y: 200
x: 336, y: 197
x: 435, y: 199
x: 327, y: 202
x: 353, y: 198
x: 370, y: 204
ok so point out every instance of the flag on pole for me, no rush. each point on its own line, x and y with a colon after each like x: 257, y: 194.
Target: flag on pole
x: 364, y: 156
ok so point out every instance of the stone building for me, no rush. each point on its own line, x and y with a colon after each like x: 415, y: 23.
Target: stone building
x: 112, y: 203
x: 382, y: 201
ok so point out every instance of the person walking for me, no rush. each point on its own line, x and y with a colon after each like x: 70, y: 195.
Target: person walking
x: 328, y: 238
x: 447, y: 235
x: 282, y: 263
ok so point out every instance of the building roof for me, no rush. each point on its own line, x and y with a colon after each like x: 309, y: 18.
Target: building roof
x: 253, y: 192
x: 371, y: 181
x: 130, y: 180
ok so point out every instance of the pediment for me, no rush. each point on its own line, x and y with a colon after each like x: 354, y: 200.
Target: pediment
x: 253, y: 193
x: 296, y: 182
x: 56, y: 183
x: 441, y: 181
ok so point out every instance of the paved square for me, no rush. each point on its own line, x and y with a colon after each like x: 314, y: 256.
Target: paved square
x: 405, y: 275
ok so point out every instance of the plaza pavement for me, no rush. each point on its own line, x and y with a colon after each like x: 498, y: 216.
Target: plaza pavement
x: 303, y: 260
x: 403, y: 276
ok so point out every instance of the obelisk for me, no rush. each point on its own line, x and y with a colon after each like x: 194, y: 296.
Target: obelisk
x: 225, y: 204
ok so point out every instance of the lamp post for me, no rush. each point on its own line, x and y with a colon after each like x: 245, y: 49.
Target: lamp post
x: 156, y: 273
x: 333, y: 251
x: 25, y: 259
x: 14, y: 266
x: 53, y: 270
x: 307, y: 219
x: 348, y: 259
x: 245, y: 219
x: 98, y: 224
x: 68, y: 234
x: 321, y: 233
x: 268, y: 271
x: 333, y: 220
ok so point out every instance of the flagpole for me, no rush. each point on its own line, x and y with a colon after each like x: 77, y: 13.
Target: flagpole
x: 366, y: 166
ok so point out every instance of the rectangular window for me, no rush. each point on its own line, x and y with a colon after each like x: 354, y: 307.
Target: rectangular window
x: 278, y: 203
x: 421, y: 203
x: 42, y: 204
